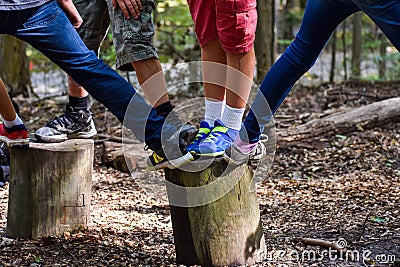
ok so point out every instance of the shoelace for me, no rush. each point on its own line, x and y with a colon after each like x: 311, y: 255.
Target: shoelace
x: 200, y: 134
x: 65, y: 119
x: 215, y: 133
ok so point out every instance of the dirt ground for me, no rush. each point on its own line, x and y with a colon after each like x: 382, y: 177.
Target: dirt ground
x: 347, y: 190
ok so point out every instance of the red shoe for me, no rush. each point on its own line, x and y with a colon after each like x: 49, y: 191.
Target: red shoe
x: 14, y: 136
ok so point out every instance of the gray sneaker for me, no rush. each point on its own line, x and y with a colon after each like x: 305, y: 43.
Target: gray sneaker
x: 72, y: 124
x: 234, y: 156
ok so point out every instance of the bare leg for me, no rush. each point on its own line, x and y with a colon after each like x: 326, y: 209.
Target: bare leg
x: 75, y: 89
x: 7, y: 110
x: 155, y: 88
x: 213, y: 52
x: 239, y: 85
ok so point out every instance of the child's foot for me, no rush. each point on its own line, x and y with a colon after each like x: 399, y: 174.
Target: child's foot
x: 72, y: 124
x: 173, y: 153
x: 14, y: 136
x: 204, y: 131
x: 240, y: 152
x: 219, y: 139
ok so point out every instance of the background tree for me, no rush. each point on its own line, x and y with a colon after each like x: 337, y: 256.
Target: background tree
x: 266, y: 36
x: 14, y: 68
x: 333, y: 60
x: 382, y: 54
x: 357, y: 45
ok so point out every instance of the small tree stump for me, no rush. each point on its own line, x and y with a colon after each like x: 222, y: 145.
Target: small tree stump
x: 49, y: 190
x: 226, y: 228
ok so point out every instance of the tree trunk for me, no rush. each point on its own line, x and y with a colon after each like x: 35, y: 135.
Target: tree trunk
x: 265, y: 43
x: 333, y: 60
x: 287, y: 20
x: 382, y: 55
x: 227, y: 229
x: 344, y: 43
x: 14, y: 68
x: 357, y: 45
x: 369, y: 116
x: 49, y: 188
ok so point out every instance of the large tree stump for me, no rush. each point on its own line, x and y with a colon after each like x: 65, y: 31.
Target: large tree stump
x: 49, y: 190
x: 215, y: 215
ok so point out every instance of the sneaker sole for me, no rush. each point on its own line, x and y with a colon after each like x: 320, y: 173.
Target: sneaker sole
x: 65, y: 137
x: 214, y: 154
x: 172, y: 164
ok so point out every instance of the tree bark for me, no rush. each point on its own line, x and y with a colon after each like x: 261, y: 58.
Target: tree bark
x: 357, y: 45
x: 265, y: 43
x: 382, y: 55
x: 225, y: 231
x: 333, y: 60
x: 369, y: 116
x: 14, y: 68
x: 344, y: 44
x: 50, y: 188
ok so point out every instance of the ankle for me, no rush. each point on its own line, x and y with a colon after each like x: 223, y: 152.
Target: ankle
x: 243, y: 146
x: 164, y: 109
x: 10, y: 124
x: 79, y: 103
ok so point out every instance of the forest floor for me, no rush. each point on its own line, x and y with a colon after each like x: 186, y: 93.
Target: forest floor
x: 347, y: 190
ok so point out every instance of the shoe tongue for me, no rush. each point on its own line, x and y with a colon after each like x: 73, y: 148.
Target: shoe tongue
x: 69, y: 108
x: 218, y: 123
x: 204, y: 124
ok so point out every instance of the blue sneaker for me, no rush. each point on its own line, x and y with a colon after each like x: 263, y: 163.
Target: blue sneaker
x: 204, y: 131
x: 219, y: 139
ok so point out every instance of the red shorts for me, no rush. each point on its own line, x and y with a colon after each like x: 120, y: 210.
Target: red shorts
x: 234, y: 22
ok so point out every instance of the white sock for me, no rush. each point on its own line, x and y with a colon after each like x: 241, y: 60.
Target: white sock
x: 10, y: 124
x: 214, y: 110
x: 232, y: 117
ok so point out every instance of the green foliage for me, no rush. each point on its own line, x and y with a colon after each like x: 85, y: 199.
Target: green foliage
x: 176, y: 38
x: 107, y: 50
x: 285, y: 42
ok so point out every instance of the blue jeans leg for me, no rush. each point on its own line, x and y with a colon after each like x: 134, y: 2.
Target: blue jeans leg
x: 386, y: 14
x: 48, y: 29
x: 319, y: 21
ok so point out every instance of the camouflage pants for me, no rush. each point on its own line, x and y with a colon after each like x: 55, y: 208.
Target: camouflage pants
x: 132, y: 38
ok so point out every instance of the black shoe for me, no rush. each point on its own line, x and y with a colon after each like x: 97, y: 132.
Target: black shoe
x: 171, y: 155
x: 158, y: 160
x: 187, y: 131
x: 72, y: 124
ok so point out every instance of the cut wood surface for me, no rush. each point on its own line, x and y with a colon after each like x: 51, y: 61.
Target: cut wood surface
x: 365, y: 117
x: 123, y: 157
x: 50, y: 188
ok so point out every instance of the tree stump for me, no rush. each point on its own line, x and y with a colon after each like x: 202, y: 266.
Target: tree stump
x: 216, y: 218
x: 49, y: 191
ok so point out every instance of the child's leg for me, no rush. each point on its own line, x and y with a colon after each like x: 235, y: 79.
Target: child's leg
x: 214, y: 90
x: 241, y: 84
x: 12, y: 128
x: 239, y: 80
x: 236, y: 23
x: 214, y: 78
